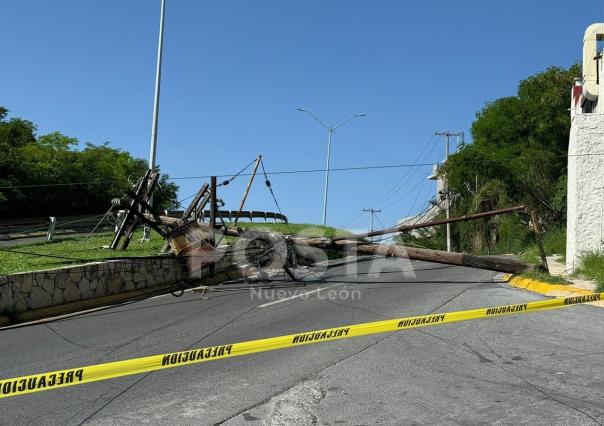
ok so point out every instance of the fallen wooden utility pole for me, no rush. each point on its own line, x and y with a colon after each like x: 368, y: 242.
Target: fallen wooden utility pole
x: 403, y: 228
x: 351, y: 244
x: 493, y: 263
x: 237, y: 232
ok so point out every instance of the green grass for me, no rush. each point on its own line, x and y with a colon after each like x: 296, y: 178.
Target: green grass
x: 78, y: 247
x: 301, y: 229
x: 592, y: 267
x: 531, y: 255
x: 82, y: 249
x: 554, y: 242
x: 544, y: 277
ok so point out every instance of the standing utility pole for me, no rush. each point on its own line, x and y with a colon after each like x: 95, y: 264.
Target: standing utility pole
x: 330, y: 131
x: 371, y: 212
x: 447, y: 134
x: 160, y: 48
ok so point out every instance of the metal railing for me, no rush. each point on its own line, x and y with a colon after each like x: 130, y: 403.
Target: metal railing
x: 14, y: 229
x: 229, y: 215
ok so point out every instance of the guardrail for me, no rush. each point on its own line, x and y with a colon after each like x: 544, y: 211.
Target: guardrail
x: 15, y: 229
x: 230, y: 215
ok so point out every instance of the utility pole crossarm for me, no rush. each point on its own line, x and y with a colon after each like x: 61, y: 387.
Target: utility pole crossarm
x: 372, y: 213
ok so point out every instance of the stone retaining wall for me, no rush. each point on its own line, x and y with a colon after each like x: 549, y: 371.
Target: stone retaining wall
x: 34, y: 290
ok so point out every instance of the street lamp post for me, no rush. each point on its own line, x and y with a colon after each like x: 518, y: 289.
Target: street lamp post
x: 153, y: 148
x: 160, y: 47
x: 330, y: 131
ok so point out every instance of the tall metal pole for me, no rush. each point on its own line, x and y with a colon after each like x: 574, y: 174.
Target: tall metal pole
x: 153, y: 149
x: 447, y: 199
x: 329, y: 132
x: 160, y: 48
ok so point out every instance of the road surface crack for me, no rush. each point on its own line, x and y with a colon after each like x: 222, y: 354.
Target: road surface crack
x: 530, y: 384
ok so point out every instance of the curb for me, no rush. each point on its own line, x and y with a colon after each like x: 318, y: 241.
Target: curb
x: 82, y: 305
x: 550, y: 290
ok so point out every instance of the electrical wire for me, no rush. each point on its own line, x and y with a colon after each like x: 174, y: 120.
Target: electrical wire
x: 365, y: 147
x: 404, y: 179
x: 352, y: 218
x: 270, y: 188
x: 306, y: 171
x: 232, y: 178
x: 413, y: 189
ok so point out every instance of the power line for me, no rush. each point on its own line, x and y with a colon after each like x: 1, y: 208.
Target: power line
x: 409, y: 192
x: 421, y: 183
x: 409, y: 173
x: 306, y: 171
x: 354, y: 217
x: 367, y: 148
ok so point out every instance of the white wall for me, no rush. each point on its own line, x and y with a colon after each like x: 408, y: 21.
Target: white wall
x: 585, y: 215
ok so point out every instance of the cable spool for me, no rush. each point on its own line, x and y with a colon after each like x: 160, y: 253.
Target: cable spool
x: 263, y: 251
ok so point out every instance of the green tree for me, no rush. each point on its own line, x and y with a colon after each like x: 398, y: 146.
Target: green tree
x: 59, y: 178
x: 519, y: 148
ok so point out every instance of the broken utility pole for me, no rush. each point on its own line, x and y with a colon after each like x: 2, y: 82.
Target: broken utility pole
x: 352, y: 242
x: 403, y: 228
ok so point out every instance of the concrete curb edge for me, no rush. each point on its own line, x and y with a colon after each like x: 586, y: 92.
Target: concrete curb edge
x: 550, y: 290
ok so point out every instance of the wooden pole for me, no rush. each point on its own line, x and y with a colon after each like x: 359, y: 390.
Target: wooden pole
x: 501, y: 264
x: 125, y: 224
x: 403, y: 228
x: 247, y: 190
x: 460, y: 259
x: 493, y: 263
x: 537, y: 230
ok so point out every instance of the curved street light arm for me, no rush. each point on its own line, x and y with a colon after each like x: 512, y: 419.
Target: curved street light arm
x: 347, y: 120
x: 316, y: 118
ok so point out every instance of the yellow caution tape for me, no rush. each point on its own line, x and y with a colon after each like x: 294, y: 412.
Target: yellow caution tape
x: 93, y: 373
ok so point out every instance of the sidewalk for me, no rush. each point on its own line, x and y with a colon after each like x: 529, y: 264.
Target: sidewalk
x: 558, y: 268
x: 579, y: 286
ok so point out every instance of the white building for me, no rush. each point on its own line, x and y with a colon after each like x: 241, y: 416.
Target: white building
x: 585, y: 209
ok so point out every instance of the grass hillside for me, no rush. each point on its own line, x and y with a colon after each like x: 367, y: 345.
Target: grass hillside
x: 80, y: 249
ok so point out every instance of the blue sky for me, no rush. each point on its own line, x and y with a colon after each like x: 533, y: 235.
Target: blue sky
x: 236, y: 70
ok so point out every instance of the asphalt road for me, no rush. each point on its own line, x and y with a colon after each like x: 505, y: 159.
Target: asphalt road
x: 539, y: 368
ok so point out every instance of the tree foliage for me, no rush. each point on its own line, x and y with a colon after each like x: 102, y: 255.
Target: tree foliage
x: 49, y: 175
x: 518, y: 155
